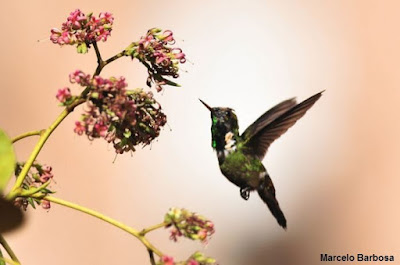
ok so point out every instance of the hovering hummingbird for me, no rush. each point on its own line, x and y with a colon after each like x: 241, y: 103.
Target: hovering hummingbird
x: 240, y: 156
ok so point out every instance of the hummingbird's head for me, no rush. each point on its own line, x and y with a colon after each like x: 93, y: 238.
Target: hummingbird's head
x: 220, y: 115
x: 224, y: 121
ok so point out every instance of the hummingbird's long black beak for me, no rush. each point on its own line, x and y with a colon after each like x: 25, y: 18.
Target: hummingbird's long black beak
x: 208, y: 107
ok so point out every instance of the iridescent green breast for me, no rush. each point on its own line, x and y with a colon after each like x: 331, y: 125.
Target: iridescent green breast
x: 243, y: 170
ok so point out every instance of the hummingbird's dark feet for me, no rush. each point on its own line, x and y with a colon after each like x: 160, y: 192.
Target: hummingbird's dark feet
x: 245, y: 193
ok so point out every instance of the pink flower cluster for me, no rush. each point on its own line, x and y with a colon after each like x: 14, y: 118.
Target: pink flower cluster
x: 37, y: 176
x: 197, y: 258
x: 188, y: 224
x: 161, y: 60
x: 83, y: 30
x: 123, y: 117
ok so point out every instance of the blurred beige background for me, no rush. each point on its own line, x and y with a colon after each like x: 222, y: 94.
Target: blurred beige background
x: 336, y: 172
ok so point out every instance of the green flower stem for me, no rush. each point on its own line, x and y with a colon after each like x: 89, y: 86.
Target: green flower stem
x: 27, y: 134
x: 101, y: 216
x: 115, y: 57
x: 9, y: 261
x: 31, y: 191
x: 42, y: 140
x: 10, y: 252
x: 152, y: 228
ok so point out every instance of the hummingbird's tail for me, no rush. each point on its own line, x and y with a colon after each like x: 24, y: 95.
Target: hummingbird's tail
x: 267, y: 193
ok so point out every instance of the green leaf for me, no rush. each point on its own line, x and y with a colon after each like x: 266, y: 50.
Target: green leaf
x: 169, y: 82
x: 30, y: 201
x: 82, y: 48
x: 7, y: 160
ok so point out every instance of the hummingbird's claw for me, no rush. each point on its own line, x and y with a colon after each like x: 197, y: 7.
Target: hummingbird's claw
x: 245, y: 193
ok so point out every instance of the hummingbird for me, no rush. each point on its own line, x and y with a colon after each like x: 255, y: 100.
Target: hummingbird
x: 240, y: 155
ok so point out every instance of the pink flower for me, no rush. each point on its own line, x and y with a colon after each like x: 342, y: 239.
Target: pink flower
x: 192, y: 262
x: 100, y: 129
x: 79, y: 128
x: 63, y: 94
x: 45, y: 204
x: 45, y: 174
x: 80, y: 78
x: 162, y: 61
x: 166, y: 36
x: 162, y: 58
x: 188, y: 224
x: 113, y: 113
x: 83, y: 30
x: 178, y: 54
x: 167, y: 260
x: 106, y: 18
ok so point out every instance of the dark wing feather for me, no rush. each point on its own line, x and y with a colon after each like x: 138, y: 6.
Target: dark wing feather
x: 260, y: 142
x: 268, y: 117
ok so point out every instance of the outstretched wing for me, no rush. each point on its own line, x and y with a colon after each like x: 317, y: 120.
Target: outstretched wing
x: 269, y: 116
x: 260, y: 141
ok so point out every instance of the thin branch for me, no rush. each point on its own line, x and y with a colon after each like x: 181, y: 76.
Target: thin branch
x: 31, y: 191
x: 100, y: 62
x: 27, y: 134
x: 115, y: 57
x: 9, y: 261
x: 151, y: 254
x: 103, y: 217
x: 7, y: 247
x: 98, y: 55
x: 152, y: 228
x: 43, y: 138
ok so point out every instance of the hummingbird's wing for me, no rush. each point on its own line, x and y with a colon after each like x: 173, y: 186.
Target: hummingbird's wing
x: 268, y: 117
x: 259, y: 142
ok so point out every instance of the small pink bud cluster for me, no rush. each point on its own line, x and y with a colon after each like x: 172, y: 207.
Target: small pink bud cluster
x: 161, y: 60
x: 188, y: 224
x: 82, y: 30
x: 122, y: 117
x: 197, y: 258
x: 36, y: 177
x: 64, y: 96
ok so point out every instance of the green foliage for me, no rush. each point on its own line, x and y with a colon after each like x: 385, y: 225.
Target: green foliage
x: 7, y: 160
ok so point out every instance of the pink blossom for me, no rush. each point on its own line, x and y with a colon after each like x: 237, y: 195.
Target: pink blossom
x: 106, y: 18
x: 113, y: 113
x: 192, y: 262
x: 188, y: 224
x: 79, y: 128
x: 155, y: 52
x: 45, y: 174
x: 45, y: 204
x: 100, y: 129
x: 167, y: 36
x: 167, y: 260
x: 178, y: 54
x: 63, y: 94
x: 80, y: 78
x: 83, y: 30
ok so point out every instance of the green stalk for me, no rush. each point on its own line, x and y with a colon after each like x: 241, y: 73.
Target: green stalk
x: 10, y: 252
x: 27, y: 134
x: 42, y: 140
x: 105, y: 218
